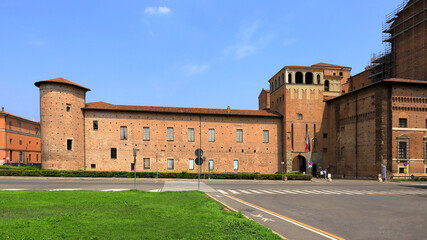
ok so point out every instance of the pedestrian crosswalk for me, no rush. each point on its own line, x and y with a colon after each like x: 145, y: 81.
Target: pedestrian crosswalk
x: 320, y: 192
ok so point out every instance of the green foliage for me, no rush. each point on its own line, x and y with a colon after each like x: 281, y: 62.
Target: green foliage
x: 121, y: 215
x: 122, y: 174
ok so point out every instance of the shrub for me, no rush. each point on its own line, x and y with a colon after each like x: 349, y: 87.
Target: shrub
x: 120, y: 174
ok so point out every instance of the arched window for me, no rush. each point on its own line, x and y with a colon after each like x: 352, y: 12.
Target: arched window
x: 289, y: 78
x: 283, y: 78
x: 326, y: 85
x: 280, y: 81
x: 309, y: 78
x: 318, y: 79
x: 271, y: 86
x: 275, y: 83
x: 298, y: 78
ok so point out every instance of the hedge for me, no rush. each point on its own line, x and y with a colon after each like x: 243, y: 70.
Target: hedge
x: 118, y: 174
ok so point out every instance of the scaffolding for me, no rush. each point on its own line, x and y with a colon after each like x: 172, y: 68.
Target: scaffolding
x: 406, y: 59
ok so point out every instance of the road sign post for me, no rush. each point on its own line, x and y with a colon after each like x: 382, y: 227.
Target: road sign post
x: 199, y: 161
x: 135, y: 151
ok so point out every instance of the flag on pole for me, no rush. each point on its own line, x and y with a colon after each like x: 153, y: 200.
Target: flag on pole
x: 307, y: 142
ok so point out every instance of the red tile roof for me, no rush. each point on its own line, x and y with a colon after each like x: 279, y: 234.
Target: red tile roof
x: 205, y: 111
x: 21, y: 118
x: 328, y: 65
x: 61, y: 80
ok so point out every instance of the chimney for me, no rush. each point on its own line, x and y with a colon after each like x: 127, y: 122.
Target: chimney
x: 228, y: 109
x: 2, y: 109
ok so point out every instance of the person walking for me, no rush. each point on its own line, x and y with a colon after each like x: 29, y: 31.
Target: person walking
x: 321, y: 174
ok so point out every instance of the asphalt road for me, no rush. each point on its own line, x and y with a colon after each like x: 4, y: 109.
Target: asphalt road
x: 296, y: 210
x: 341, y: 209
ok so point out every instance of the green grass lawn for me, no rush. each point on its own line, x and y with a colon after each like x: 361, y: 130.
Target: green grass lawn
x: 121, y: 215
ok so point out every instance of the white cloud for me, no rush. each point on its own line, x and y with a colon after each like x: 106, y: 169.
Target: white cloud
x: 196, y: 69
x: 157, y: 10
x: 247, y: 43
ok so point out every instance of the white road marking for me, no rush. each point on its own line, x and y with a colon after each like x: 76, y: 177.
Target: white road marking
x: 300, y: 192
x: 115, y: 190
x: 285, y: 219
x: 331, y: 192
x: 310, y: 191
x: 265, y: 191
x: 255, y: 191
x: 244, y: 191
x: 232, y: 191
x: 276, y: 191
x: 223, y: 192
x: 287, y: 191
x: 264, y: 219
x: 65, y: 189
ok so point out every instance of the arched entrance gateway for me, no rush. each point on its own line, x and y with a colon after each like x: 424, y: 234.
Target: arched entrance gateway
x: 299, y: 164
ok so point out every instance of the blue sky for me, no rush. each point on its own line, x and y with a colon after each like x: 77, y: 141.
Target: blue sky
x: 209, y: 54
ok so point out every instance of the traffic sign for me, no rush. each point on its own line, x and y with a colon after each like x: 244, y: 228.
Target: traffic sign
x: 199, y: 152
x: 310, y: 163
x: 412, y: 176
x: 199, y: 161
x: 405, y: 164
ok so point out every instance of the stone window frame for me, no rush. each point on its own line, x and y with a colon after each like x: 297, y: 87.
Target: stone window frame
x: 299, y: 116
x: 145, y: 133
x: 425, y: 148
x: 146, y: 163
x: 265, y: 136
x: 236, y: 164
x: 406, y: 139
x: 169, y: 133
x: 239, y: 135
x: 191, y: 134
x: 191, y: 164
x: 170, y: 164
x: 123, y: 132
x: 211, y: 135
x: 211, y: 166
x: 95, y: 125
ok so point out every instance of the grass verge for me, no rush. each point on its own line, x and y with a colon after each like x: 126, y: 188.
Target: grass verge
x: 121, y: 215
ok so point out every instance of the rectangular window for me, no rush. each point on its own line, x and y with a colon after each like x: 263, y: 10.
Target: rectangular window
x: 425, y: 149
x: 69, y: 144
x: 146, y: 133
x: 426, y: 123
x: 95, y: 125
x: 10, y: 125
x: 146, y: 163
x: 37, y: 158
x: 325, y: 135
x: 403, y: 122
x: 299, y: 116
x: 29, y: 129
x: 170, y: 164
x: 93, y: 166
x: 20, y: 143
x: 123, y: 132
x: 401, y: 170
x: 68, y: 107
x: 113, y: 153
x: 20, y: 126
x: 211, y: 165
x: 211, y: 135
x: 265, y: 136
x: 169, y: 134
x: 37, y: 131
x: 132, y: 166
x: 402, y: 150
x: 191, y: 164
x: 236, y: 164
x: 191, y: 134
x: 239, y: 135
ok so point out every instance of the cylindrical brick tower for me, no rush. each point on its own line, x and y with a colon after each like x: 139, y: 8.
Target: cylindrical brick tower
x: 62, y: 124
